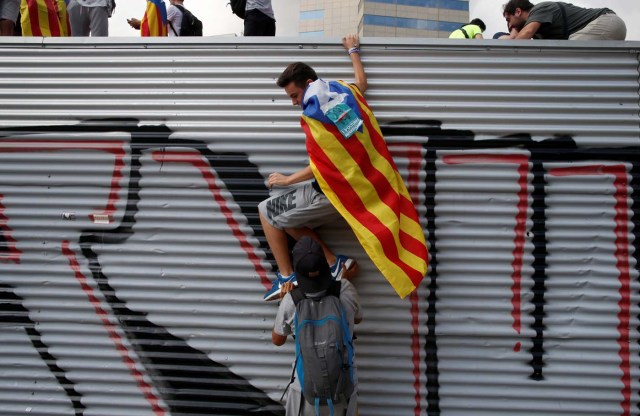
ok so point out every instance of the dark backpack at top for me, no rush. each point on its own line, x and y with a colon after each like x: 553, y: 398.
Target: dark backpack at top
x: 237, y: 7
x: 191, y: 25
x: 324, y: 348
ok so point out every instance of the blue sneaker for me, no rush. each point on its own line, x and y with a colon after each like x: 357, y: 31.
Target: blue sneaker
x: 274, y: 292
x: 343, y: 267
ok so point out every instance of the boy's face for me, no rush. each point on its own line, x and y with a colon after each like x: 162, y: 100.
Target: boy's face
x: 296, y: 93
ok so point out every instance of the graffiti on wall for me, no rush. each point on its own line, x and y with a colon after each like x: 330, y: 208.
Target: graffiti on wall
x: 533, y: 163
x: 163, y: 367
x: 165, y: 363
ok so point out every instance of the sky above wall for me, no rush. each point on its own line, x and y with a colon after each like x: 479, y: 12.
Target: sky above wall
x: 218, y: 20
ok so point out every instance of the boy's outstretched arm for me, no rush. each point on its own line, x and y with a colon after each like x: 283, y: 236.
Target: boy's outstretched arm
x: 351, y: 43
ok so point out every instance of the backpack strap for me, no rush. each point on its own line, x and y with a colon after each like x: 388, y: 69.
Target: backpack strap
x: 334, y: 290
x: 316, y: 406
x: 297, y: 295
x: 293, y: 377
x: 181, y: 8
x: 565, y: 25
x: 173, y: 29
x: 464, y: 32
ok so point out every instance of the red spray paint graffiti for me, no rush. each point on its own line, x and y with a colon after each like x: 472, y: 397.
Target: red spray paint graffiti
x: 621, y: 218
x: 196, y: 159
x: 116, y: 148
x: 520, y: 228
x: 13, y: 254
x: 112, y: 330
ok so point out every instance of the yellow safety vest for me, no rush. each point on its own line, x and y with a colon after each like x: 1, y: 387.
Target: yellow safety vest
x: 471, y: 31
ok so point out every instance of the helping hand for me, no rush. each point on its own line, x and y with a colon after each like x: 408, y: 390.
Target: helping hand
x: 286, y: 288
x: 351, y: 41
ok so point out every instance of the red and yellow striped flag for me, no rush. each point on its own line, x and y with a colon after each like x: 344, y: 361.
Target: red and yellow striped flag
x: 44, y: 18
x: 361, y: 180
x: 154, y: 21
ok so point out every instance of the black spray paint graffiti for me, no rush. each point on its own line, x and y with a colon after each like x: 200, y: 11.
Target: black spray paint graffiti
x: 556, y: 149
x: 247, y: 190
x: 13, y: 312
x: 200, y: 386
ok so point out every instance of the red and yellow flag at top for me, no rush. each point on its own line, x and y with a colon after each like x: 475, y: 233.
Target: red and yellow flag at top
x: 362, y: 182
x: 154, y: 21
x: 50, y: 18
x: 44, y: 18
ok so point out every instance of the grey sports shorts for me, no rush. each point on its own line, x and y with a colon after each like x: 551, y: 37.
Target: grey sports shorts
x: 302, y: 206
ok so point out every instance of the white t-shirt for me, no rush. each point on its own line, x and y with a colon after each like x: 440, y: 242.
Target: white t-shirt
x: 174, y: 16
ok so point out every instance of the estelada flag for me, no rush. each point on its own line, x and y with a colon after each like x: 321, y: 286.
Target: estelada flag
x: 154, y: 21
x: 359, y: 177
x: 44, y: 18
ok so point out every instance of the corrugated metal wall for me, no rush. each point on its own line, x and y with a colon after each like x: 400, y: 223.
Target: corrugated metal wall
x: 132, y: 264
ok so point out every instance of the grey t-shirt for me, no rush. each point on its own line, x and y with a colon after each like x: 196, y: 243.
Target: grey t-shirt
x: 552, y: 24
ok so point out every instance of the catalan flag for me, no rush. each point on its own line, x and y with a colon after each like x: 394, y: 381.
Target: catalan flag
x: 359, y: 177
x: 44, y: 18
x: 154, y: 22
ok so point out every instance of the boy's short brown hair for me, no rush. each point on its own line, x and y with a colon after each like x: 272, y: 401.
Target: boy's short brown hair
x: 298, y: 73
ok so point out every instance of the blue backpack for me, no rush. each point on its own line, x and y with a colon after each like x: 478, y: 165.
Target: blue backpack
x: 324, y: 348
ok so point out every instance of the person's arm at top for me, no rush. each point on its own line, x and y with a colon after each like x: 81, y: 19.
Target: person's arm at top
x: 278, y: 179
x: 529, y: 30
x: 513, y: 32
x: 352, y: 44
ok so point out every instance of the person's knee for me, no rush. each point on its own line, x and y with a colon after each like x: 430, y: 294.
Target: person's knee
x: 262, y: 208
x: 6, y: 27
x: 264, y: 216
